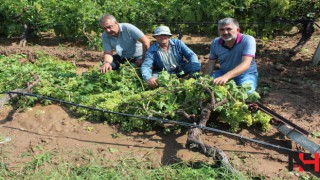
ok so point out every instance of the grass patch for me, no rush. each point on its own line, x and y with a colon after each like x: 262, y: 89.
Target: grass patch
x: 44, y: 166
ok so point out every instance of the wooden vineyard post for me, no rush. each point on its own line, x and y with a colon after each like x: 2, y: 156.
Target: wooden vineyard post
x: 316, y: 56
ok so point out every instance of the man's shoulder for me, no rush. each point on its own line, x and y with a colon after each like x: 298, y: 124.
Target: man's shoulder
x: 131, y: 29
x: 174, y: 41
x: 127, y: 26
x: 153, y: 47
x: 247, y: 37
x: 216, y: 40
x: 178, y: 42
x: 104, y: 34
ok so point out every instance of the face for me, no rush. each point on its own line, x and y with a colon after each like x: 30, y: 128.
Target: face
x: 110, y: 27
x: 228, y: 32
x: 163, y: 40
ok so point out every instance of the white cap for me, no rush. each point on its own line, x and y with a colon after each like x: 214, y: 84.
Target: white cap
x: 162, y: 30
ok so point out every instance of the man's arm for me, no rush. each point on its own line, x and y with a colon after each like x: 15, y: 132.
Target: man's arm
x: 242, y: 67
x: 145, y: 45
x: 107, y: 60
x: 213, y: 56
x: 146, y: 69
x: 188, y: 53
x: 193, y: 65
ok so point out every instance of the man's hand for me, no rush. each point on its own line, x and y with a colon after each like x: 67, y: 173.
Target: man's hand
x: 138, y: 62
x: 106, y: 67
x: 222, y: 80
x: 242, y: 67
x: 152, y: 82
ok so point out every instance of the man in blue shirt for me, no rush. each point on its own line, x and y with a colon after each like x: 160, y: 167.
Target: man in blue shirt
x: 168, y: 54
x: 236, y: 55
x: 128, y: 41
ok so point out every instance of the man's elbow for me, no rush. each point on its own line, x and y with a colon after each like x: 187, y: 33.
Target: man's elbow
x: 145, y: 42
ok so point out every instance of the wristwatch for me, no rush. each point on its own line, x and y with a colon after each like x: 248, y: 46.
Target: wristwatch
x: 104, y: 62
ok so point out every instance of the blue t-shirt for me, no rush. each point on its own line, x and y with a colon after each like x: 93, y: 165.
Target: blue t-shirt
x: 127, y: 41
x: 245, y: 45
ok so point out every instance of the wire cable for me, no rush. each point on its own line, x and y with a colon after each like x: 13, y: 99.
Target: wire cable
x: 155, y: 119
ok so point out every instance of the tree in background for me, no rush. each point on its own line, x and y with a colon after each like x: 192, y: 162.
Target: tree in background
x: 78, y: 20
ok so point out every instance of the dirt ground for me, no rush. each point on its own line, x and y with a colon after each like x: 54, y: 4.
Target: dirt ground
x: 289, y: 86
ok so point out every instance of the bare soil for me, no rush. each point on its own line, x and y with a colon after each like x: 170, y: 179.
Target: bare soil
x: 289, y: 86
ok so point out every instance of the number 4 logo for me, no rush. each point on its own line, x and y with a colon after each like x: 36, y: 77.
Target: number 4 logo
x: 306, y: 163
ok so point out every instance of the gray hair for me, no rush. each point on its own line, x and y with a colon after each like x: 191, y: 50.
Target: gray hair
x: 106, y: 17
x: 228, y: 20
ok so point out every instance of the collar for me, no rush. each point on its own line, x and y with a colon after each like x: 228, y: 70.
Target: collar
x: 238, y: 40
x: 120, y: 27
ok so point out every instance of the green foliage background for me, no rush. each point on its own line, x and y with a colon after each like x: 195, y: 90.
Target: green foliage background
x: 70, y: 18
